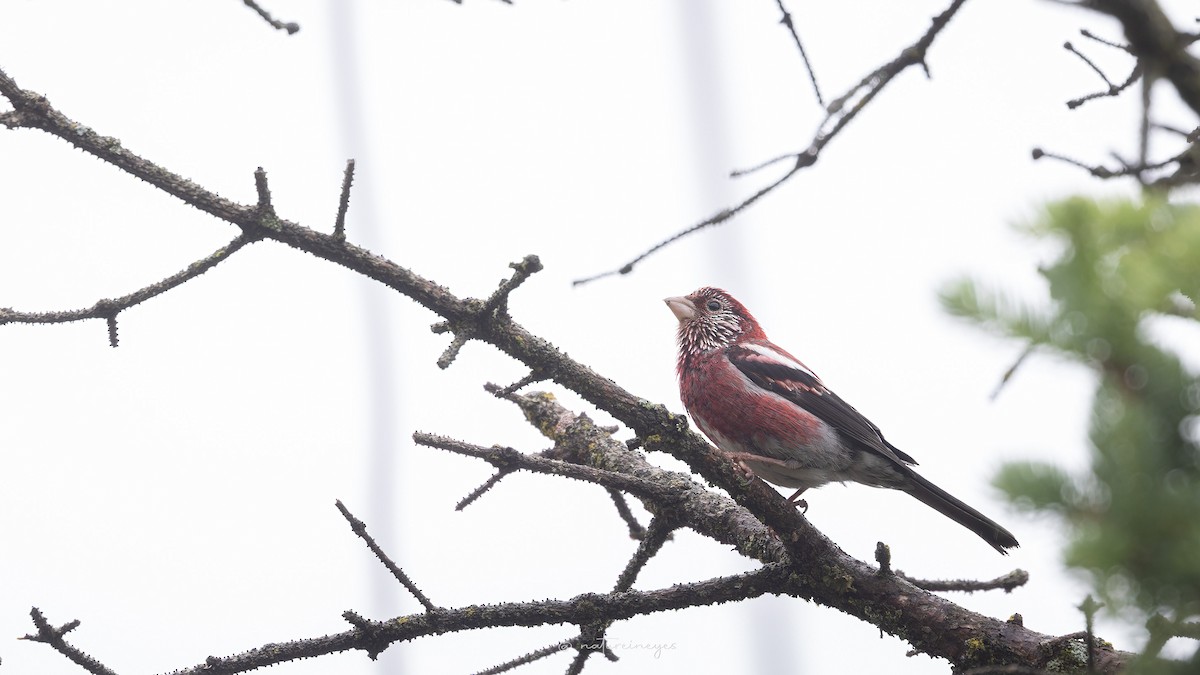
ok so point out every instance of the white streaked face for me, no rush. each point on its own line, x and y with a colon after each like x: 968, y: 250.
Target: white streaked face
x: 708, y: 320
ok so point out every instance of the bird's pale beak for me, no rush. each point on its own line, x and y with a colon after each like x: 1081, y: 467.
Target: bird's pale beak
x: 681, y: 307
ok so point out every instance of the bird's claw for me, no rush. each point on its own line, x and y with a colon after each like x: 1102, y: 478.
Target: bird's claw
x: 744, y: 469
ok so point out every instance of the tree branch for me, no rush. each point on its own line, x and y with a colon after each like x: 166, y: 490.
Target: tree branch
x: 840, y: 112
x: 1153, y: 38
x: 822, y: 572
x: 291, y: 26
x: 371, y: 636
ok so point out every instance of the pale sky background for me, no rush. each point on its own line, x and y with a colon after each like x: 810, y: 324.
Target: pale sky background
x: 176, y: 494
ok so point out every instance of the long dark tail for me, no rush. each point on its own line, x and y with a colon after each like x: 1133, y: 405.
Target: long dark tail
x: 954, y: 509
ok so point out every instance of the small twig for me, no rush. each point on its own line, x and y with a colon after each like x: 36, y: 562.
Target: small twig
x: 291, y: 27
x: 339, y: 225
x: 738, y: 173
x: 656, y: 535
x: 498, y: 300
x: 592, y: 635
x: 482, y: 489
x: 1103, y: 172
x: 451, y: 352
x: 1113, y: 90
x: 485, y: 311
x: 1144, y: 127
x: 883, y: 556
x: 1071, y: 48
x: 1162, y: 629
x: 636, y: 531
x: 1006, y: 583
x: 583, y: 650
x: 1089, y: 607
x: 108, y: 309
x: 508, y: 458
x: 1153, y: 38
x: 1174, y: 130
x: 787, y: 21
x: 111, y: 321
x: 535, y: 655
x: 360, y: 528
x: 54, y: 637
x: 1012, y: 370
x: 505, y: 392
x: 1092, y: 36
x: 264, y: 206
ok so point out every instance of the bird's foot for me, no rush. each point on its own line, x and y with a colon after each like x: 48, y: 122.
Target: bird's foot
x: 800, y: 503
x: 744, y: 470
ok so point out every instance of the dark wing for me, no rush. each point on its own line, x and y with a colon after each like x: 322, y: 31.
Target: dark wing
x: 777, y: 371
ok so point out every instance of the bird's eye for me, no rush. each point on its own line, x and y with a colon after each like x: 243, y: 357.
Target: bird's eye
x: 713, y: 305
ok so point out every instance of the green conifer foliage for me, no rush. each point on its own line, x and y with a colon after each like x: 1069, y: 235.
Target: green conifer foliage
x: 1134, y: 519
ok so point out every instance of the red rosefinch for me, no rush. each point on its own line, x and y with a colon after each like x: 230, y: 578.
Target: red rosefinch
x: 774, y: 416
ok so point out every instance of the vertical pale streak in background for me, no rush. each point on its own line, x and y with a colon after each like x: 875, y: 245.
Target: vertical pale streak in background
x: 773, y: 629
x: 383, y: 465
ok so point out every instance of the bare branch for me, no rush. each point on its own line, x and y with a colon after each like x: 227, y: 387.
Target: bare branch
x: 111, y: 322
x: 360, y: 528
x: 716, y: 219
x: 54, y: 637
x: 840, y: 113
x: 1162, y: 629
x: 812, y: 77
x: 656, y: 535
x: 482, y: 489
x: 1092, y: 36
x: 508, y: 459
x: 1106, y: 173
x: 738, y: 173
x: 33, y: 111
x: 1012, y: 370
x: 264, y: 206
x: 291, y: 27
x: 1113, y: 90
x: 481, y: 313
x: 108, y: 309
x: 1006, y: 583
x: 373, y: 636
x: 503, y: 392
x: 1071, y: 48
x: 339, y: 224
x: 535, y: 655
x: 636, y: 531
x: 1089, y: 609
x: 498, y: 300
x: 1153, y: 38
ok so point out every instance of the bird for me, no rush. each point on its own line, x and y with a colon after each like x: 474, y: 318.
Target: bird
x: 774, y: 417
